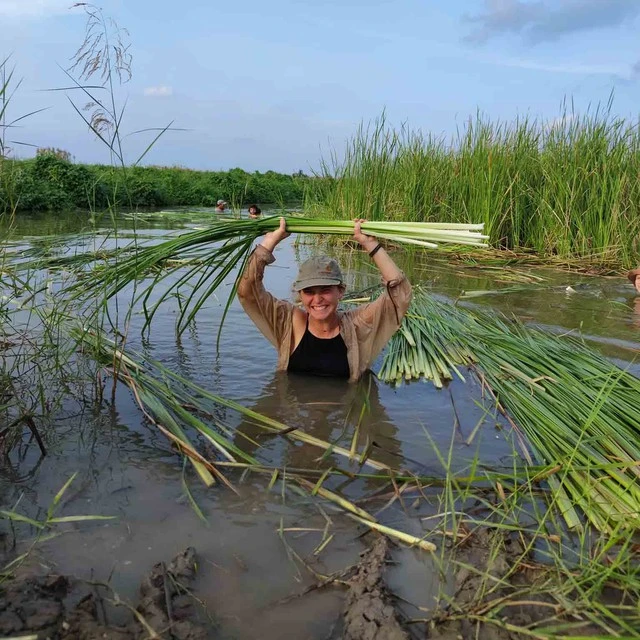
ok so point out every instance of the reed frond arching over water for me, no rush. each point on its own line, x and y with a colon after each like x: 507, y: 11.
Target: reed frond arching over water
x: 566, y: 188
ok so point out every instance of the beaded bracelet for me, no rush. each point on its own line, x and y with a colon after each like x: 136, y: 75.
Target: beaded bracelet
x: 375, y: 250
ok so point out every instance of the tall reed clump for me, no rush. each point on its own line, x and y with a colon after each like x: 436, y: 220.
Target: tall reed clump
x: 568, y: 188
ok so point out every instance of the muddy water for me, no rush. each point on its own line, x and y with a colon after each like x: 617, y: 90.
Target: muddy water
x: 246, y: 573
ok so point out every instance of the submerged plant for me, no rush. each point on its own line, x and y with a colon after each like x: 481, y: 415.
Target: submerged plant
x: 43, y: 526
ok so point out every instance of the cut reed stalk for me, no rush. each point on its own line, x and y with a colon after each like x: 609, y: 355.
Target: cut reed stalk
x: 207, y: 257
x: 170, y: 393
x: 163, y: 404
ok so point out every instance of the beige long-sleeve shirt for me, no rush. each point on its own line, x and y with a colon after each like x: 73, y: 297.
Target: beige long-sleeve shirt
x: 365, y: 330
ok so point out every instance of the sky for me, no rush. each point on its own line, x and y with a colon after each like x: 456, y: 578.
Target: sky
x: 280, y: 85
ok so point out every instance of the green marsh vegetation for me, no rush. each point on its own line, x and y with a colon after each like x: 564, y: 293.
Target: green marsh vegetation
x: 568, y: 405
x: 50, y: 182
x: 566, y: 189
x: 572, y: 571
x: 21, y: 392
x: 526, y: 577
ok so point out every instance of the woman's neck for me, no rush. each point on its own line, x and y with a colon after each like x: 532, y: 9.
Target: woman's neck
x: 328, y: 328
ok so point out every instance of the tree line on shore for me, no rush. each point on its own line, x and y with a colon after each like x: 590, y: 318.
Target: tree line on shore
x: 51, y: 182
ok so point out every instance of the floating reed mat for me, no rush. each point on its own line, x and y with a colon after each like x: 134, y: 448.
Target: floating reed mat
x: 174, y: 405
x: 206, y: 257
x: 574, y: 407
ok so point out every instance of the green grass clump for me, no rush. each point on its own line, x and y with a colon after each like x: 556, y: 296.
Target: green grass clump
x: 564, y: 189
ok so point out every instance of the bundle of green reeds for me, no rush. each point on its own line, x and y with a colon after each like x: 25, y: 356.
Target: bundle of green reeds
x: 431, y: 349
x: 575, y: 407
x: 208, y: 256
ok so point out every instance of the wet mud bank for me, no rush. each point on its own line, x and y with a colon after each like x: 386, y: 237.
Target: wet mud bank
x: 502, y: 592
x: 492, y: 588
x: 57, y: 607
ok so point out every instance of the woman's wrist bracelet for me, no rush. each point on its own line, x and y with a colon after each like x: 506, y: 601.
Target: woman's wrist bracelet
x: 375, y: 250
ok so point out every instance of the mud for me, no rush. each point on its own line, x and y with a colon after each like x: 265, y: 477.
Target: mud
x: 369, y: 613
x: 38, y: 606
x: 482, y: 560
x: 497, y: 590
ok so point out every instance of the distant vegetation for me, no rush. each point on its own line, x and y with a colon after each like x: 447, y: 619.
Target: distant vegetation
x: 570, y: 188
x: 567, y: 189
x: 51, y: 182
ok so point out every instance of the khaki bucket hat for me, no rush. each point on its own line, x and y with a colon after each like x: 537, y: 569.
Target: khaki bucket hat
x: 317, y: 272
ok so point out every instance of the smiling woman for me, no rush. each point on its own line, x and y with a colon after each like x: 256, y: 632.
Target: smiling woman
x: 318, y: 339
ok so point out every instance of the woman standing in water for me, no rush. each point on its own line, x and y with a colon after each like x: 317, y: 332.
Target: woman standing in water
x: 317, y: 339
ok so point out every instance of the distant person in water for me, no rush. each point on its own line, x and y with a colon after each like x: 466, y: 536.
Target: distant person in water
x: 316, y: 338
x: 221, y: 205
x: 254, y: 211
x: 634, y: 278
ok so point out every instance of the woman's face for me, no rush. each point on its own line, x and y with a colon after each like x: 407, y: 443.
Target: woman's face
x: 321, y: 303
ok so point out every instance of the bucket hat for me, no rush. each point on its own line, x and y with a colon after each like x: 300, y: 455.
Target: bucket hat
x: 317, y: 272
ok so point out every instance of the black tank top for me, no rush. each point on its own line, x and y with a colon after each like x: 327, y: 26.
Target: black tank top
x: 320, y: 356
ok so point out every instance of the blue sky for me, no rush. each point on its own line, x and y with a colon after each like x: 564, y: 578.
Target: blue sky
x: 276, y: 85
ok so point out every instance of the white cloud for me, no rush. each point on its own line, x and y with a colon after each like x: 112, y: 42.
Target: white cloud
x: 33, y: 8
x: 159, y: 91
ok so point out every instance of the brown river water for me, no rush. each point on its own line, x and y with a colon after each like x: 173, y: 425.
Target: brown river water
x: 127, y: 469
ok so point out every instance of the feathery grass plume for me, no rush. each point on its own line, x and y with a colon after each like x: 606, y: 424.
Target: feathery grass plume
x: 574, y: 407
x: 104, y: 53
x: 210, y: 255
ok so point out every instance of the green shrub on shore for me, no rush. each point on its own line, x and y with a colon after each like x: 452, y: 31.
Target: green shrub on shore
x: 567, y: 188
x: 50, y: 182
